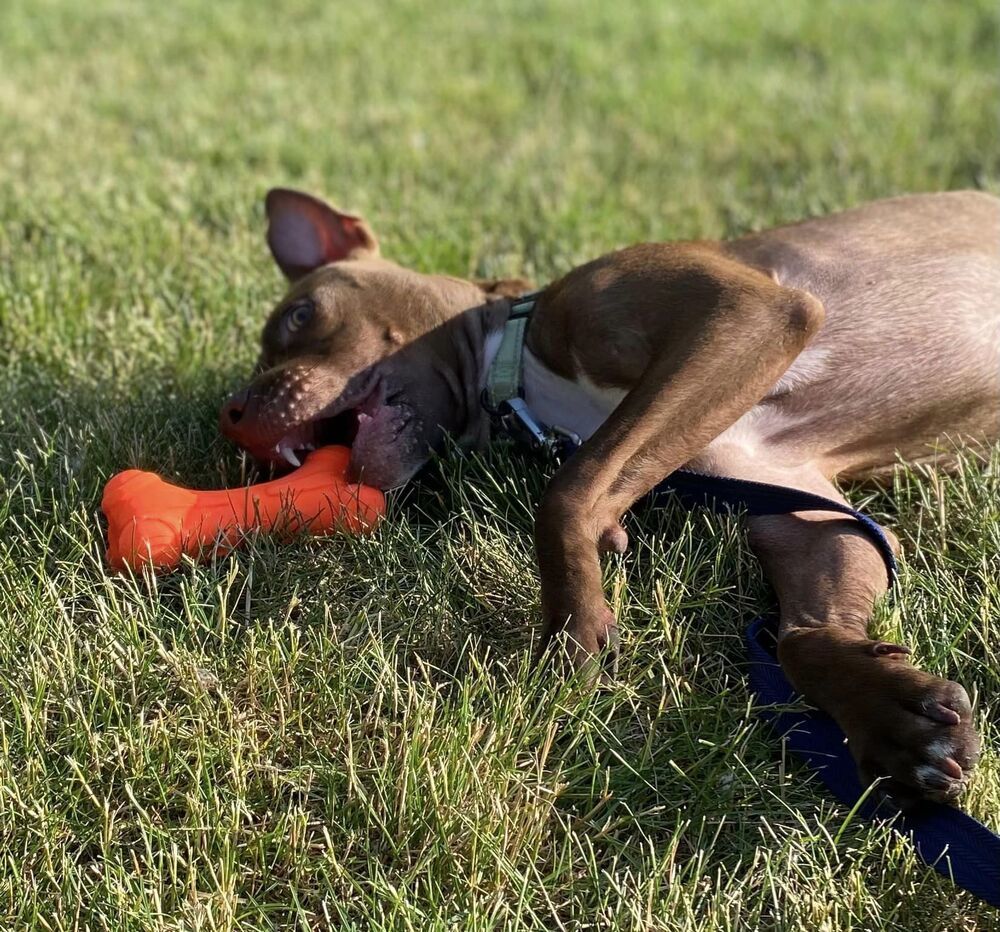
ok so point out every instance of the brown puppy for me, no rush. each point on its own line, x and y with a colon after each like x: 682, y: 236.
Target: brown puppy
x: 794, y: 356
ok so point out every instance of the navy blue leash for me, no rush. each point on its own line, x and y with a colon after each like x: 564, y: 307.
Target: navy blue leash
x: 945, y: 838
x: 760, y: 498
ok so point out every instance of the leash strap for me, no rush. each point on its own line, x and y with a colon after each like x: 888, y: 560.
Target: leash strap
x: 945, y: 838
x: 723, y: 493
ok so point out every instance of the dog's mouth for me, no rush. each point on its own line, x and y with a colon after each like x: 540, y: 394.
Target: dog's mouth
x: 339, y: 429
x: 380, y: 427
x: 281, y: 426
x: 337, y: 424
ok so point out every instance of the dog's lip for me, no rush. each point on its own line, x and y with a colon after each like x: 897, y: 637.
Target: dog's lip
x: 382, y: 451
x: 301, y: 436
x: 374, y: 386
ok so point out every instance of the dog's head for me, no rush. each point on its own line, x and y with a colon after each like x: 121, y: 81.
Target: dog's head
x: 361, y: 351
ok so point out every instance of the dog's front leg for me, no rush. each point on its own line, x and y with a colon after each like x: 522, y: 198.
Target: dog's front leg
x: 908, y: 727
x: 904, y: 725
x: 725, y: 342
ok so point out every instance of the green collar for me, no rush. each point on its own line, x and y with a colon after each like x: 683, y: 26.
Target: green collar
x: 504, y: 380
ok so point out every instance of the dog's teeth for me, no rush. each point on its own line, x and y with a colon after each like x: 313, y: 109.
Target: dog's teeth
x: 289, y: 455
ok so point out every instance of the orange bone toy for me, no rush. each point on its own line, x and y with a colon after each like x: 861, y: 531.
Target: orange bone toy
x: 151, y: 522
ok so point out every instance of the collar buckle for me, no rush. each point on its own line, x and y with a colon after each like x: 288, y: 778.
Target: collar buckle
x: 513, y: 418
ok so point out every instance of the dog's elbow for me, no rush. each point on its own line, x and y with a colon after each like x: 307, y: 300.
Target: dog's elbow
x: 801, y: 316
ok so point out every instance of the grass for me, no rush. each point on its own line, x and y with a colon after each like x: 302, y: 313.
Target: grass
x: 348, y: 733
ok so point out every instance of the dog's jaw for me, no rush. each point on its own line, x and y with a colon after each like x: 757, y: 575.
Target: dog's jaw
x: 385, y: 452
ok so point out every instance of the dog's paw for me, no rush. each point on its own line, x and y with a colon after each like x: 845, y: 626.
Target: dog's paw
x: 915, y: 733
x: 586, y: 639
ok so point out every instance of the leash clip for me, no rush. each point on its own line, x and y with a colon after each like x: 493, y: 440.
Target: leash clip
x: 517, y: 420
x: 556, y: 443
x: 513, y: 418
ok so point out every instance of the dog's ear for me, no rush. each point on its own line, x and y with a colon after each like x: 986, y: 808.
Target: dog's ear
x: 504, y: 287
x: 305, y: 233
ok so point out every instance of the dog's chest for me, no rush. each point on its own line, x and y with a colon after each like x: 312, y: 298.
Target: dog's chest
x: 576, y: 405
x: 581, y: 406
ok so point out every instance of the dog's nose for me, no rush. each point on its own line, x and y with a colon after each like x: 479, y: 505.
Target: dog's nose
x: 233, y: 410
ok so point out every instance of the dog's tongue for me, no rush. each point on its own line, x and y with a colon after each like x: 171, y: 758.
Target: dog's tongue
x: 376, y: 454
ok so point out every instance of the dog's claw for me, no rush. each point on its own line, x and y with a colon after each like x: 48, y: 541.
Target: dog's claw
x: 951, y: 768
x: 885, y: 649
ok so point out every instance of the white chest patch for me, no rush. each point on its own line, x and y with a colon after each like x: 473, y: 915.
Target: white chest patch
x: 577, y: 405
x: 581, y: 406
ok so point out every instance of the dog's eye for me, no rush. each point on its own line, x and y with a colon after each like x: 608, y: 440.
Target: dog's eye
x: 298, y: 315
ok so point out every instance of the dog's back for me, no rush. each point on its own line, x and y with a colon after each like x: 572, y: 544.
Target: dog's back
x: 911, y: 288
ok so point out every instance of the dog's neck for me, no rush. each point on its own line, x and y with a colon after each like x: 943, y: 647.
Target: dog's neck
x: 576, y: 404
